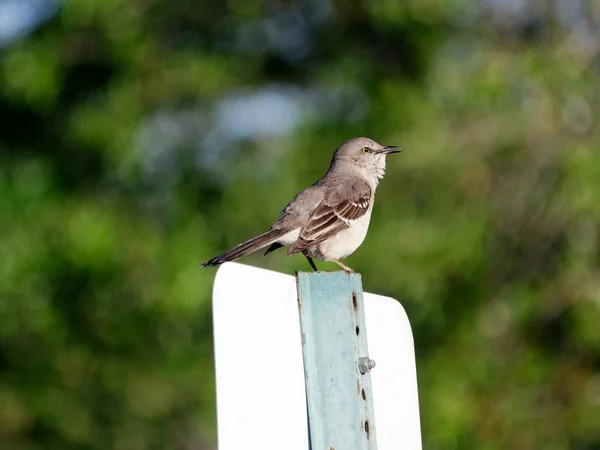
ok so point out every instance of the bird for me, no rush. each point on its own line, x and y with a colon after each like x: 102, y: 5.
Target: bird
x: 329, y: 220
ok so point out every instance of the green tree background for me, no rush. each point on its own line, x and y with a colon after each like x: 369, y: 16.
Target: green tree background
x: 140, y: 137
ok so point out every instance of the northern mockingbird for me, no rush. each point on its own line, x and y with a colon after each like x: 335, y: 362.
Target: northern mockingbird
x: 329, y: 220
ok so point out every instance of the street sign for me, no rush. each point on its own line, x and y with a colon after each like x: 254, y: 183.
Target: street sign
x: 261, y: 398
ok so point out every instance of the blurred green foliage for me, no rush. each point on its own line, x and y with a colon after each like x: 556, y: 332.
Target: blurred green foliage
x: 139, y: 138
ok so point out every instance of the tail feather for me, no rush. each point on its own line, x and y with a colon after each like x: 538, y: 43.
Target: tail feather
x: 274, y: 246
x: 245, y: 248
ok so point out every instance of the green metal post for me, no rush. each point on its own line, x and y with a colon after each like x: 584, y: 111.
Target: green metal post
x: 336, y: 361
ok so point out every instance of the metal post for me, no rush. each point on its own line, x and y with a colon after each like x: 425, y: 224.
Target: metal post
x: 336, y: 361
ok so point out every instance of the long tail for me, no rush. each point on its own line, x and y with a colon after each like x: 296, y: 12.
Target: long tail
x: 245, y: 248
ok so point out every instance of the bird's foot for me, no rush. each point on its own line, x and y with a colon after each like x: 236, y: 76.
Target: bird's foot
x: 311, y: 262
x: 342, y: 265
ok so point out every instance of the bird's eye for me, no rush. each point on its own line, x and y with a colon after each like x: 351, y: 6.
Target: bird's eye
x: 366, y: 150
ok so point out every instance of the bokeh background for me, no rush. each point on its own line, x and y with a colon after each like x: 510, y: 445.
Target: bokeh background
x: 141, y: 137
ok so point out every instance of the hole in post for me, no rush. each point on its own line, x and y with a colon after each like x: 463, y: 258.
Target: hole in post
x: 367, y: 429
x: 357, y: 330
x: 364, y: 394
x: 354, y: 302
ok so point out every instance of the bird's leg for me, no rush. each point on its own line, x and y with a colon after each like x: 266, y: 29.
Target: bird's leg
x: 311, y: 262
x: 342, y: 265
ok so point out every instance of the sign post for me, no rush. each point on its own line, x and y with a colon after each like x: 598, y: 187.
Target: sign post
x: 336, y: 361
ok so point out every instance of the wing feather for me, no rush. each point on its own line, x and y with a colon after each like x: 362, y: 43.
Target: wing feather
x: 342, y: 204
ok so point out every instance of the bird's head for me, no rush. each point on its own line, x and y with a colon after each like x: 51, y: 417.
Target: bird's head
x: 364, y: 153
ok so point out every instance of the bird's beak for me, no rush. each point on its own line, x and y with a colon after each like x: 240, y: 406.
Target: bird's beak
x: 389, y: 149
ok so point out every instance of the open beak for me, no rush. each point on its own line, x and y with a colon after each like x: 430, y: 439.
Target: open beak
x: 389, y: 149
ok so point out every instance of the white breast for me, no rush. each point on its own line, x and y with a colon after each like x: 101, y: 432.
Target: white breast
x: 345, y: 242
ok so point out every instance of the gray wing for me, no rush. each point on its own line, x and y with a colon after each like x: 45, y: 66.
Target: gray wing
x: 297, y: 212
x: 342, y: 204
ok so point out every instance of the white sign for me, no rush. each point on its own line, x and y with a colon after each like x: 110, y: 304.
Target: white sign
x: 261, y: 402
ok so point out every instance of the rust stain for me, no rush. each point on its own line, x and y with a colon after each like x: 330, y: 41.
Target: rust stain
x: 298, y: 291
x: 364, y: 394
x: 367, y: 429
x: 331, y: 447
x: 358, y: 387
x: 354, y: 302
